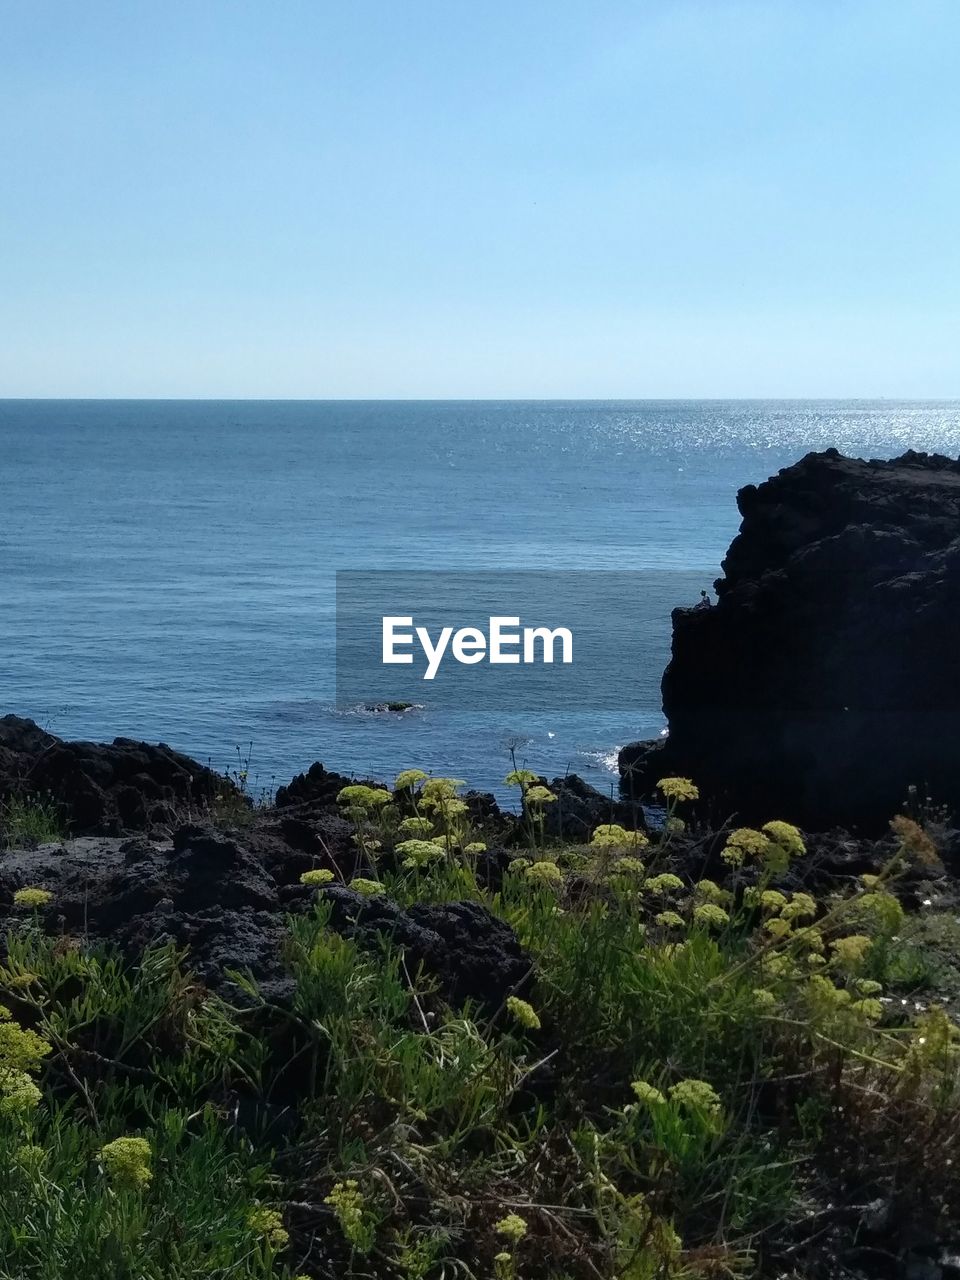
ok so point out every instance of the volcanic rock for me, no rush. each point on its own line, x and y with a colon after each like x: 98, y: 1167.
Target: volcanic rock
x: 825, y: 682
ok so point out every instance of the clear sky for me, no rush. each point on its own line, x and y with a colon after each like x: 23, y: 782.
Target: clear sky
x: 378, y: 198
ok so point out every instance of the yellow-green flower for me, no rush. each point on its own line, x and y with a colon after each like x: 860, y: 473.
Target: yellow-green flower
x: 475, y: 846
x: 825, y: 996
x: 438, y: 790
x: 666, y: 882
x: 359, y: 796
x: 547, y: 873
x: 787, y: 836
x: 126, y: 1162
x: 867, y: 987
x: 610, y: 835
x: 538, y: 796
x: 346, y: 1200
x: 21, y: 1049
x: 18, y: 981
x: 869, y: 1009
x: 809, y: 939
x: 744, y: 842
x: 647, y: 1093
x: 418, y: 853
x: 523, y: 1013
x: 669, y: 920
x: 696, y: 1095
x: 710, y: 914
x: 710, y: 891
x: 316, y: 878
x: 678, y: 789
x: 416, y: 827
x: 629, y: 867
x: 777, y: 927
x: 849, y: 952
x: 408, y: 778
x: 31, y: 898
x: 800, y: 907
x: 879, y: 911
x: 18, y: 1093
x: 512, y: 1227
x: 520, y: 778
x: 368, y: 888
x: 268, y: 1224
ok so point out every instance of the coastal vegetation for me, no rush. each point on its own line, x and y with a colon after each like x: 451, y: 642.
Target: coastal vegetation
x: 721, y: 1056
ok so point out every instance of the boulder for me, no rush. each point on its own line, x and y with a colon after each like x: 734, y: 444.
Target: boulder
x: 473, y: 955
x: 106, y: 789
x: 580, y: 808
x: 316, y: 790
x: 825, y: 682
x: 226, y: 898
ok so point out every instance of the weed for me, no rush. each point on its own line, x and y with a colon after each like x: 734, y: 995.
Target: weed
x: 27, y: 821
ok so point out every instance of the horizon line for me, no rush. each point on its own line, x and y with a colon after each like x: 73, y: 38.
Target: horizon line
x: 226, y: 399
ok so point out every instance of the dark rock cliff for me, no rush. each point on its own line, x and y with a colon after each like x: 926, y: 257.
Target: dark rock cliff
x: 826, y: 680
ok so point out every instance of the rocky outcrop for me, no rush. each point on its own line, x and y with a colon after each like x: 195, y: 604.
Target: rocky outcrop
x: 316, y: 789
x: 227, y: 896
x: 120, y: 787
x: 580, y: 808
x: 826, y: 680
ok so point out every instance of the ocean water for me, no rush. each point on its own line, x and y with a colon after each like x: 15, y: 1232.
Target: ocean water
x: 167, y: 567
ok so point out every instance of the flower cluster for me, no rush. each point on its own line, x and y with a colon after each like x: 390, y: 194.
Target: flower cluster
x: 743, y: 843
x: 512, y: 1228
x: 610, y: 835
x: 21, y: 1052
x: 416, y: 828
x: 268, y: 1224
x: 317, y: 878
x: 126, y: 1161
x: 362, y: 798
x: 709, y: 914
x: 367, y: 888
x: 664, y: 883
x: 348, y: 1204
x: 849, y: 953
x: 522, y: 778
x: 669, y: 920
x: 419, y: 853
x: 695, y: 1095
x: 545, y: 873
x: 409, y: 779
x: 785, y: 842
x: 523, y: 1013
x: 629, y: 867
x: 648, y: 1093
x: 678, y: 789
x: 32, y: 898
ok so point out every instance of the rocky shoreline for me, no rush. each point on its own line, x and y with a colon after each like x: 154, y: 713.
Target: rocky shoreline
x: 708, y: 1013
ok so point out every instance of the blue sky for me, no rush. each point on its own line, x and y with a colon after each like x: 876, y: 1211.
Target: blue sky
x: 404, y: 198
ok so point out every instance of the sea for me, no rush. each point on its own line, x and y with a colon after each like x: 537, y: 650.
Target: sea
x: 167, y: 568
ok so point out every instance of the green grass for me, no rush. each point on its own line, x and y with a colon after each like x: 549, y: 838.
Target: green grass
x: 679, y: 1095
x: 27, y: 821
